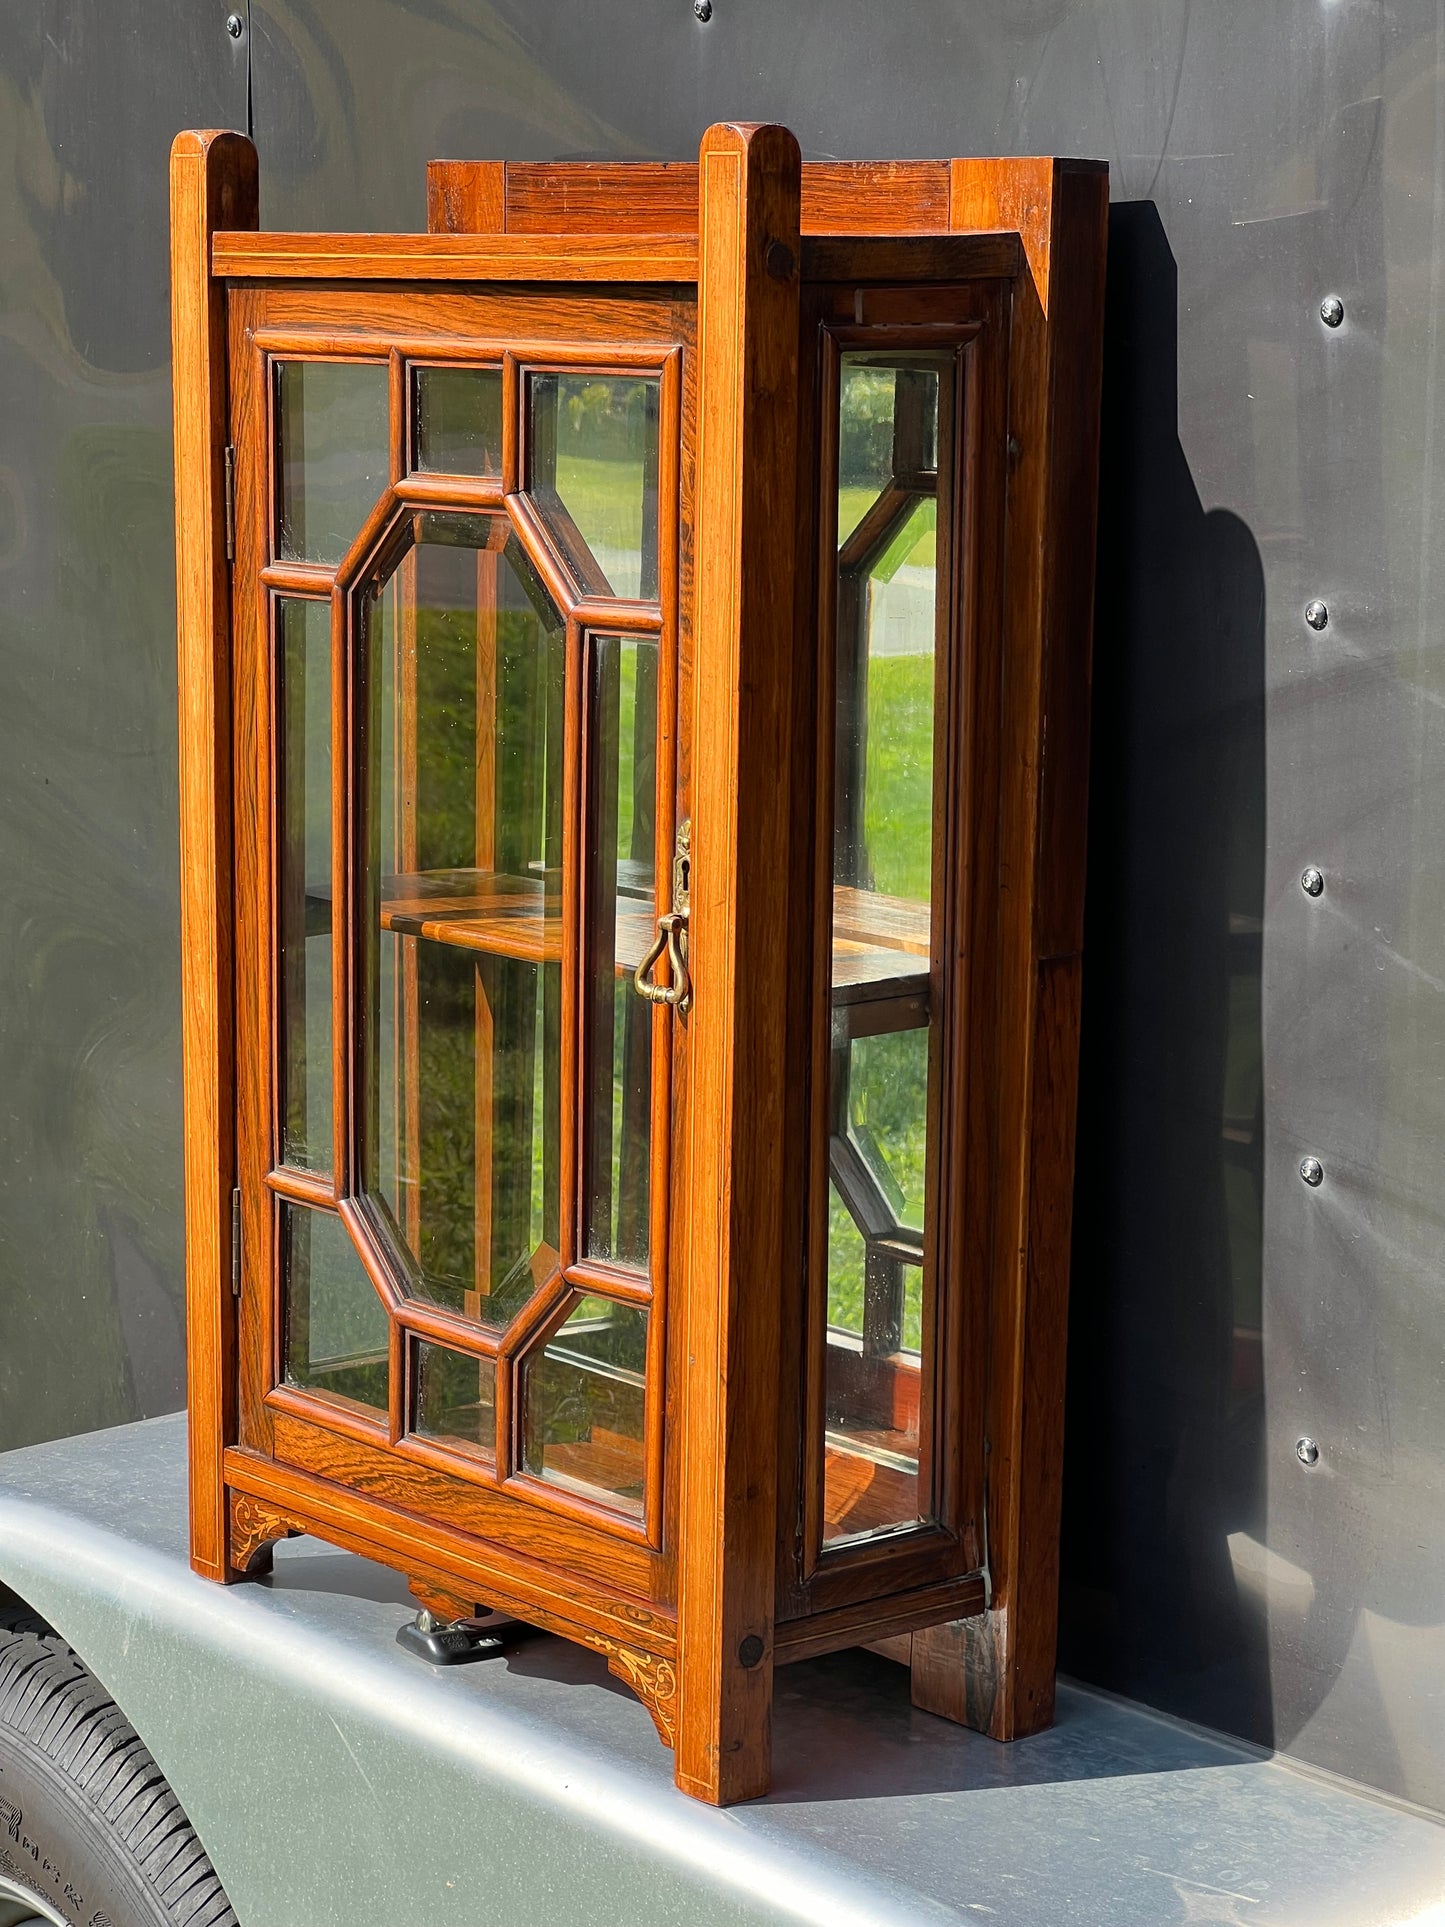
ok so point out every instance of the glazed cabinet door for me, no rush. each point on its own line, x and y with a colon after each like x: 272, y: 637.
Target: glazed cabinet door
x: 462, y: 888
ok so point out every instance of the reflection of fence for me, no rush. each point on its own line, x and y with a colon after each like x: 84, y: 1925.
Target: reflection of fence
x: 902, y: 613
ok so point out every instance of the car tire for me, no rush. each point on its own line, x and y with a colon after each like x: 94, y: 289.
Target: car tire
x: 90, y: 1833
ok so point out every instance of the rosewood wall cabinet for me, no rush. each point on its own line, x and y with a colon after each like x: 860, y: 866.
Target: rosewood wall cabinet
x: 634, y: 658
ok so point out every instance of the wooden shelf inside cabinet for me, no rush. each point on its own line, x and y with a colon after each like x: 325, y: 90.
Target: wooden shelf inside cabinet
x: 500, y: 916
x: 687, y: 588
x: 880, y: 964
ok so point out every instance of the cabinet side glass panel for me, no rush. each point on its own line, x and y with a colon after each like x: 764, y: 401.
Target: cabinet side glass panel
x: 303, y: 880
x: 892, y: 590
x: 465, y: 671
x: 621, y: 895
x: 336, y: 1328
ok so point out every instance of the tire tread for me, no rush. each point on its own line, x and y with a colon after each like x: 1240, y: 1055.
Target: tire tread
x: 52, y: 1701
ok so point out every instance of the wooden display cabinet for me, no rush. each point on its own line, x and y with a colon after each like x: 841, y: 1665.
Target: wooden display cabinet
x: 634, y: 652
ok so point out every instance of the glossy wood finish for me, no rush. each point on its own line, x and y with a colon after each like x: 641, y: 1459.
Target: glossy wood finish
x: 911, y: 257
x: 745, y: 650
x: 661, y: 197
x: 213, y: 184
x: 735, y: 274
x: 997, y: 1672
x: 470, y: 198
x: 302, y: 1431
x: 448, y: 257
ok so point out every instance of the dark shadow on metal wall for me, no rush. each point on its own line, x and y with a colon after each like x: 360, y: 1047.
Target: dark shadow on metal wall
x: 1166, y: 1404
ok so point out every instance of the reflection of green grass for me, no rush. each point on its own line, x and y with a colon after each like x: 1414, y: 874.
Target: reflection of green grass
x: 888, y: 1085
x: 898, y: 808
x: 604, y: 494
x: 922, y: 548
x: 888, y: 1109
x: 845, y: 1280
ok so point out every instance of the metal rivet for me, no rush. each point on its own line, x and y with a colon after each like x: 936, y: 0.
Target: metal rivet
x: 750, y: 1650
x: 1307, y: 1452
x: 235, y: 25
x: 703, y: 9
x: 1312, y: 1171
x: 1316, y: 614
x: 1332, y: 311
x: 1312, y: 882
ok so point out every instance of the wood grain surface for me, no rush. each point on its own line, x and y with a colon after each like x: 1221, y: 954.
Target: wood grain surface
x: 213, y: 183
x: 745, y: 646
x: 661, y: 197
x: 571, y: 258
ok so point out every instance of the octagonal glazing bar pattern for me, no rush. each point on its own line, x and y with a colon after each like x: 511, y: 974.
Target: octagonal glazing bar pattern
x: 475, y: 685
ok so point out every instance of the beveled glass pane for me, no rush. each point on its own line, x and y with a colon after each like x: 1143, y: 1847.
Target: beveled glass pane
x: 883, y: 835
x: 332, y: 454
x: 303, y: 882
x: 895, y: 452
x: 621, y: 914
x: 465, y: 666
x: 847, y: 1264
x: 868, y: 425
x: 888, y: 1117
x: 457, y: 414
x: 592, y: 471
x: 583, y: 1404
x: 871, y: 1481
x: 456, y: 1397
x: 336, y: 1327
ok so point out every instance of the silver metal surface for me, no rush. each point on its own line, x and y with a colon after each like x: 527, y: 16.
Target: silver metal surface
x: 1312, y: 1171
x: 22, y: 1907
x: 1332, y: 311
x: 90, y: 1129
x: 1307, y: 1452
x: 1317, y: 615
x: 337, y: 1783
x: 1312, y: 882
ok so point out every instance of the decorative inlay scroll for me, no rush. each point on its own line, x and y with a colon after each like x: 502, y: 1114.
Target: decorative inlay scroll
x: 653, y: 1679
x: 254, y: 1530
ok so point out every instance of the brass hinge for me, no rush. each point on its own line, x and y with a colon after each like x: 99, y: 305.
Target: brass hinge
x: 236, y: 1242
x: 230, y: 503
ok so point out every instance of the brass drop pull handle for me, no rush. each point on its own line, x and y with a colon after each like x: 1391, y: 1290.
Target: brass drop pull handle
x: 671, y: 934
x: 671, y: 937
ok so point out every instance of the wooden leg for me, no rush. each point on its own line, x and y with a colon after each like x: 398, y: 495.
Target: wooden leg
x: 957, y: 1670
x: 996, y: 1672
x: 745, y: 643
